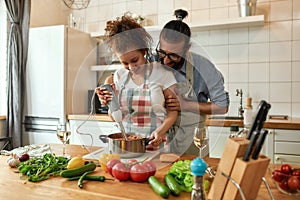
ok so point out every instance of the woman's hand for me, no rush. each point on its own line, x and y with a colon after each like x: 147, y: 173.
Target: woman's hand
x: 156, y: 139
x: 104, y: 95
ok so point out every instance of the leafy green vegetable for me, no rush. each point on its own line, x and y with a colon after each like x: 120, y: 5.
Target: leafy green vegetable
x: 206, y: 186
x: 182, y: 173
x: 41, y: 168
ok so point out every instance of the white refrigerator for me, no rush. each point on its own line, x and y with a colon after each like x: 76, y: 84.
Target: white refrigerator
x: 58, y: 78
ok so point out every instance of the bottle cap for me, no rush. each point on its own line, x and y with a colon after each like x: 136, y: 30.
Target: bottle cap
x: 249, y: 103
x: 198, y: 167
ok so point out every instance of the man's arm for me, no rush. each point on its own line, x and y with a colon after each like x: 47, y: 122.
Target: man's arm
x: 179, y: 104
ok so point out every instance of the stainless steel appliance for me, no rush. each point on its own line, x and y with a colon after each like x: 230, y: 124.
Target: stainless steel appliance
x: 56, y: 55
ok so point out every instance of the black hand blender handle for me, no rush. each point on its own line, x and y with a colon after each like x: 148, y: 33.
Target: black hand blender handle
x: 113, y: 104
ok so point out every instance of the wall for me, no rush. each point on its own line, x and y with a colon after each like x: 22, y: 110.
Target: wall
x: 48, y: 13
x: 263, y: 61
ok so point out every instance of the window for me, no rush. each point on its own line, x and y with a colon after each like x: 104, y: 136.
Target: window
x: 3, y: 58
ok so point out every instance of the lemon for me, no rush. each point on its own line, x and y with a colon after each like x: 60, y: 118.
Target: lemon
x: 75, y: 162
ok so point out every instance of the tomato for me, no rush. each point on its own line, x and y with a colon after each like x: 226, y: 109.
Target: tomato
x: 139, y: 173
x: 24, y: 157
x: 293, y: 183
x: 120, y: 171
x: 286, y: 168
x: 278, y: 176
x: 110, y: 165
x: 131, y: 162
x: 151, y: 167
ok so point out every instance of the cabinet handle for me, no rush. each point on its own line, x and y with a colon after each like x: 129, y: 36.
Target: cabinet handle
x: 271, y: 132
x: 279, y: 159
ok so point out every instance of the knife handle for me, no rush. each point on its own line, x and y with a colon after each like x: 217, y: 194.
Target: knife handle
x: 250, y: 145
x: 260, y: 143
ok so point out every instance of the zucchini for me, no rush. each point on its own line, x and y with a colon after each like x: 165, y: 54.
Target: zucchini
x: 172, y: 184
x: 158, y: 187
x: 78, y: 171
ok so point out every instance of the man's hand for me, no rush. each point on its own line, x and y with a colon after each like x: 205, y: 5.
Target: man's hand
x: 173, y: 103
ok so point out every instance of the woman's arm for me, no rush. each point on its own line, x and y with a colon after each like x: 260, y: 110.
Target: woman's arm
x: 171, y: 117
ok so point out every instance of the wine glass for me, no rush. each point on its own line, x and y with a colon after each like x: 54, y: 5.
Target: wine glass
x: 63, y: 133
x: 201, y: 140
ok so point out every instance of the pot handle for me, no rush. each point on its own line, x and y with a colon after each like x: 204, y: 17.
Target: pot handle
x: 103, y: 138
x: 147, y: 140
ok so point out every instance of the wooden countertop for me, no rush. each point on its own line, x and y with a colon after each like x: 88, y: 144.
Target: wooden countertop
x: 2, y: 117
x: 290, y: 123
x: 60, y: 188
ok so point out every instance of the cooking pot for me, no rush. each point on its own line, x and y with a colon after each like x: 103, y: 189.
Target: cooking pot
x: 127, y: 149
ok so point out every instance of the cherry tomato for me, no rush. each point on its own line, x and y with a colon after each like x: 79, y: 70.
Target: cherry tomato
x: 139, y: 173
x: 110, y: 165
x: 151, y: 167
x: 284, y: 185
x: 120, y: 171
x: 296, y: 172
x: 286, y: 168
x: 278, y: 176
x: 293, y: 183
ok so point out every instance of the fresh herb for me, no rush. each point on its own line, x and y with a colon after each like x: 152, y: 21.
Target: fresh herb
x: 41, y: 168
x: 182, y: 173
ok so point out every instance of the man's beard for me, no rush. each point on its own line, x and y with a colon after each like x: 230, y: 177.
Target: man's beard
x: 177, y: 65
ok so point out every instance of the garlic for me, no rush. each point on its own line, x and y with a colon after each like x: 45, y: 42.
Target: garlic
x: 13, y: 161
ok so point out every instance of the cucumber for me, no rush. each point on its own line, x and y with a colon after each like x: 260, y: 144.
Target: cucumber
x: 158, y: 187
x: 78, y: 171
x: 91, y: 178
x: 172, y: 184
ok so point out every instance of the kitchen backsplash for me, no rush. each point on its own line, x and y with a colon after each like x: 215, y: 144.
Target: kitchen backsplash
x: 263, y: 61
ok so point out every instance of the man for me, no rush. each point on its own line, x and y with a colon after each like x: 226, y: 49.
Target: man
x: 202, y: 93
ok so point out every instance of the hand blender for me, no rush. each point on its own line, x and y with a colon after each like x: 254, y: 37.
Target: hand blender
x: 114, y: 108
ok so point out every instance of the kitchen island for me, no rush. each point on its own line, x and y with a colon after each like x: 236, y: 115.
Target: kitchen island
x: 12, y: 187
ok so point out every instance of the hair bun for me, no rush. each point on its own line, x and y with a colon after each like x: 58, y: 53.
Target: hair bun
x: 180, y: 14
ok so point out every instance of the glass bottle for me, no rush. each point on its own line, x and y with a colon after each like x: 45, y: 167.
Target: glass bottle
x: 248, y: 113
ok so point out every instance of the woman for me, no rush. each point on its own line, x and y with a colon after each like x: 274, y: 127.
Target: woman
x: 141, y: 87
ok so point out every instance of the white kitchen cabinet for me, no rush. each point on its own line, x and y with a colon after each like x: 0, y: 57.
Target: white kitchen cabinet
x: 87, y: 132
x: 2, y: 128
x: 283, y: 146
x: 217, y: 139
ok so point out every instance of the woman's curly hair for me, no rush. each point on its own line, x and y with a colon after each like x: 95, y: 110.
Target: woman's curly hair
x: 124, y: 34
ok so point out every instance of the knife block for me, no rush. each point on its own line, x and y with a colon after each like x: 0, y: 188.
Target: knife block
x: 247, y: 174
x: 235, y: 147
